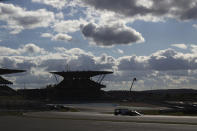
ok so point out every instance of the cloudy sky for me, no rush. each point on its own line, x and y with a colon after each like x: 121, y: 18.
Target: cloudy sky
x: 152, y: 40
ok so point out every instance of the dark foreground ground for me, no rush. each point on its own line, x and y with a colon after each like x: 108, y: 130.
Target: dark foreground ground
x: 17, y: 123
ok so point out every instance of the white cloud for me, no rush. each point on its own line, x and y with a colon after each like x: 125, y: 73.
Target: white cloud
x: 54, y: 3
x: 141, y: 9
x: 145, y: 3
x: 7, y: 51
x: 46, y: 35
x: 62, y: 37
x: 181, y: 46
x: 163, y: 60
x: 120, y: 51
x: 57, y: 37
x: 131, y: 63
x: 73, y: 11
x: 195, y: 26
x: 18, y: 18
x: 67, y: 26
x: 29, y: 48
x: 193, y: 48
x: 59, y: 15
x: 111, y: 35
x: 170, y: 59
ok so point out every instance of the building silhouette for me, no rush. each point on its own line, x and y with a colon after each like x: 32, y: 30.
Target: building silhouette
x: 76, y: 85
x: 79, y: 85
x: 5, y: 90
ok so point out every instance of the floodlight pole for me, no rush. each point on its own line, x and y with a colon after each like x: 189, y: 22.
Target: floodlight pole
x: 134, y: 79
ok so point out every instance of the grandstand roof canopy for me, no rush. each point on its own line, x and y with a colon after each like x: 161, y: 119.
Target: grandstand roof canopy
x: 81, y: 74
x: 4, y: 81
x: 9, y: 71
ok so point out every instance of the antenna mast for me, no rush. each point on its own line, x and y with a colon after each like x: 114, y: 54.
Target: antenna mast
x: 67, y: 67
x: 134, y: 79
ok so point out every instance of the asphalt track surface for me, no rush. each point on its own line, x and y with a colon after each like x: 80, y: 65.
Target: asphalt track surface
x: 84, y: 121
x: 90, y: 116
